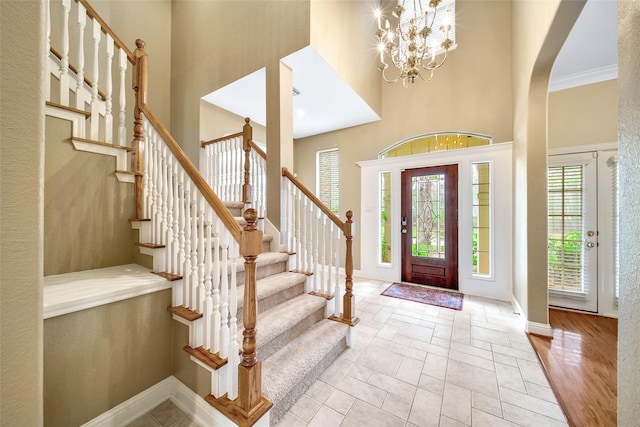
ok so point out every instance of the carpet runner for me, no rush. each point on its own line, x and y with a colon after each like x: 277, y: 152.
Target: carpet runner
x: 425, y: 295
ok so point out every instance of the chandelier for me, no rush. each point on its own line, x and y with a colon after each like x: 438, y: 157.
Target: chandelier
x: 422, y: 31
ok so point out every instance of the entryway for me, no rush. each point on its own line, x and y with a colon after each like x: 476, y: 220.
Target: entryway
x: 582, y: 229
x: 429, y: 224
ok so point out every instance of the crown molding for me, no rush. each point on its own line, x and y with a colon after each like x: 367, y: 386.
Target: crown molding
x: 582, y: 78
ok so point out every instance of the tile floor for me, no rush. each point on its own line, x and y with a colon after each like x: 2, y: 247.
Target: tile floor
x: 418, y: 365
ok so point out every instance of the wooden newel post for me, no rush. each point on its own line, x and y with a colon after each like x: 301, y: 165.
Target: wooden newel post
x: 247, y: 137
x: 250, y: 369
x: 140, y: 89
x: 349, y: 302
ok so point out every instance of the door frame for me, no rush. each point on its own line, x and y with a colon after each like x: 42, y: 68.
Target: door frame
x: 451, y: 260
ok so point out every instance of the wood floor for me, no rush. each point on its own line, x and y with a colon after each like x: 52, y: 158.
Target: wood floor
x: 581, y: 365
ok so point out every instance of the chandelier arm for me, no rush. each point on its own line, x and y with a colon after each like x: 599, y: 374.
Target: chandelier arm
x: 384, y: 77
x: 435, y: 64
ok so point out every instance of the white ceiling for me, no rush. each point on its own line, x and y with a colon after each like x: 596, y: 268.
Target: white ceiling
x: 590, y: 53
x: 327, y: 103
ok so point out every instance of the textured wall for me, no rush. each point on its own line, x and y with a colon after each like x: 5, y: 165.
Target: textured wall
x: 539, y: 31
x: 584, y: 115
x: 96, y: 359
x: 629, y: 150
x: 21, y: 203
x: 86, y: 211
x: 183, y: 368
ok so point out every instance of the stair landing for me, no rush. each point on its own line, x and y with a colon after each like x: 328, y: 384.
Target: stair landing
x: 70, y: 292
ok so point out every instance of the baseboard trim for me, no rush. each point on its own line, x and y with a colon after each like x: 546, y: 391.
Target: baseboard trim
x: 536, y: 328
x: 135, y: 407
x: 170, y: 388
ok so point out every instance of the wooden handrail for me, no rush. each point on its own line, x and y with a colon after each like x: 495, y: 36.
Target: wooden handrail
x: 222, y: 138
x: 140, y: 84
x: 75, y: 70
x: 258, y: 150
x: 221, y: 211
x: 107, y: 30
x: 333, y: 217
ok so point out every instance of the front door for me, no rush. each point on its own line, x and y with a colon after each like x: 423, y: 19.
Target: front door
x: 430, y: 226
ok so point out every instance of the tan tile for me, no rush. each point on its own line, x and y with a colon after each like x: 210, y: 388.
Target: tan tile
x: 431, y: 348
x: 392, y: 385
x: 319, y: 391
x: 482, y: 419
x: 387, y: 332
x: 472, y: 378
x: 532, y: 372
x: 518, y: 354
x: 380, y: 360
x: 441, y: 342
x: 326, y: 417
x: 509, y: 377
x: 480, y: 362
x: 362, y: 391
x: 486, y: 404
x: 362, y: 414
x: 435, y: 366
x: 456, y: 403
x: 340, y: 401
x: 448, y: 422
x: 473, y: 350
x: 290, y: 420
x: 334, y: 373
x: 494, y: 337
x: 305, y: 408
x: 405, y: 350
x: 461, y: 335
x: 410, y: 371
x: 531, y: 403
x: 360, y: 372
x: 541, y: 392
x: 396, y: 406
x: 401, y: 339
x: 481, y: 344
x: 432, y: 384
x: 507, y: 360
x: 527, y: 418
x: 425, y: 410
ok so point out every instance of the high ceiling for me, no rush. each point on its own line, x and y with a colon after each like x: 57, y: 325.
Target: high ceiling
x: 326, y: 103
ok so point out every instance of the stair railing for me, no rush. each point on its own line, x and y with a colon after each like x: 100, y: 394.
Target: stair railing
x: 195, y: 238
x: 202, y: 241
x: 91, y: 77
x: 235, y: 167
x: 313, y: 233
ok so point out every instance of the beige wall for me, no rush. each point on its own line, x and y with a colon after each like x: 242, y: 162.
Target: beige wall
x: 86, y: 210
x: 22, y: 34
x: 98, y: 358
x: 539, y: 31
x: 456, y: 99
x: 216, y: 122
x: 332, y: 27
x: 217, y: 42
x: 629, y: 149
x: 584, y: 115
x: 183, y: 368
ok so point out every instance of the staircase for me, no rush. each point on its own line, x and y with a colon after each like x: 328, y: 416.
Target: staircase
x: 258, y: 313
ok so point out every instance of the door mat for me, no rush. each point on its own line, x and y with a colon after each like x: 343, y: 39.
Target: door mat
x: 425, y: 295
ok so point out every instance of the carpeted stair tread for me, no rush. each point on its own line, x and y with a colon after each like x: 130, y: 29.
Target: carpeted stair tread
x: 264, y: 259
x: 285, y: 316
x: 233, y: 205
x: 271, y: 285
x: 288, y: 366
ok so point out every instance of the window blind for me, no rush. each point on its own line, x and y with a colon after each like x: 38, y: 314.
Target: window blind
x: 327, y: 167
x: 565, y: 228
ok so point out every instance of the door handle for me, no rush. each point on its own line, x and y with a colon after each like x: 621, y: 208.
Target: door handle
x: 591, y: 244
x: 404, y: 231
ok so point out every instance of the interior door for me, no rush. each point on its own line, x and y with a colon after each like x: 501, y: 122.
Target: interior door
x: 573, y: 231
x: 430, y: 226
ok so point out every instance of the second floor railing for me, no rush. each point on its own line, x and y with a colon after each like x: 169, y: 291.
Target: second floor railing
x: 235, y: 167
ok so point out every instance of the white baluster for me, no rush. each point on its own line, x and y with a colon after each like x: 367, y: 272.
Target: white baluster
x: 64, y: 61
x: 201, y: 255
x: 233, y: 321
x: 108, y: 117
x: 323, y: 253
x: 122, y: 127
x: 215, y: 290
x: 208, y: 302
x: 297, y: 225
x: 95, y: 97
x: 148, y: 168
x: 188, y: 252
x: 315, y: 212
x: 337, y: 294
x: 182, y: 221
x: 194, y: 250
x: 330, y: 283
x: 175, y: 269
x: 290, y: 232
x: 225, y: 244
x: 169, y: 218
x: 309, y: 221
x: 82, y: 23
